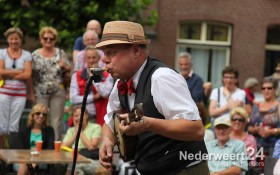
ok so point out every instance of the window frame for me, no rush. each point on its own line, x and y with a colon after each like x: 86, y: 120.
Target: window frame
x: 203, y: 35
x: 205, y: 44
x: 271, y: 62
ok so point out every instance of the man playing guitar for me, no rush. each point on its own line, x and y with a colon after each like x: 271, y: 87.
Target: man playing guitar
x: 170, y: 124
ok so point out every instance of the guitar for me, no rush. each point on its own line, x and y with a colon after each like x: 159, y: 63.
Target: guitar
x: 127, y: 144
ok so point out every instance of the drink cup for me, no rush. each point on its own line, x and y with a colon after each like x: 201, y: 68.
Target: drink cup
x: 39, y: 145
x: 57, y: 145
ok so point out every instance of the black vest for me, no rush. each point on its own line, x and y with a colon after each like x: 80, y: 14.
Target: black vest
x: 157, y: 154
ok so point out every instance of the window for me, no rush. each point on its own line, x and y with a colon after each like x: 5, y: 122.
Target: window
x: 190, y: 31
x: 273, y: 35
x: 217, y: 32
x: 272, y: 55
x: 209, y: 44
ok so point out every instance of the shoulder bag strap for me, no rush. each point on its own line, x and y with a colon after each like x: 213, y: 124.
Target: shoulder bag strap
x: 218, y: 104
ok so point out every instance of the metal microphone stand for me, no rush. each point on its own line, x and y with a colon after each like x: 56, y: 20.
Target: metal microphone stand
x: 88, y: 85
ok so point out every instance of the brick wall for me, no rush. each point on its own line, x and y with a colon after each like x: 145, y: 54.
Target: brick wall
x: 249, y: 19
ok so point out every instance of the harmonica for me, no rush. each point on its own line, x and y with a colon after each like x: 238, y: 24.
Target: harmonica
x: 98, y: 70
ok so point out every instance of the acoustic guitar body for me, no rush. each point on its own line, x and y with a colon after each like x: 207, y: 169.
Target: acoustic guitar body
x: 127, y: 144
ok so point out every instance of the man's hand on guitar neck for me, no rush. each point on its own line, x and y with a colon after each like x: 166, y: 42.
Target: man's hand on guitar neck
x: 134, y: 128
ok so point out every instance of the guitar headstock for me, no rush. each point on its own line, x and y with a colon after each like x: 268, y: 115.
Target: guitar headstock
x: 135, y: 114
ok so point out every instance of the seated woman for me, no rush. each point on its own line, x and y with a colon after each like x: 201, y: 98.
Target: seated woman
x: 239, y: 119
x: 89, y: 140
x: 37, y: 129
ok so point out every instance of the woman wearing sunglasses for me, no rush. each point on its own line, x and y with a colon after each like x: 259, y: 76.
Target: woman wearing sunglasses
x: 38, y: 128
x: 239, y: 119
x: 265, y: 123
x: 15, y: 70
x: 48, y: 65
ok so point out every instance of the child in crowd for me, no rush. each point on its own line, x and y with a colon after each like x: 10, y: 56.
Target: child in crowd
x: 67, y: 113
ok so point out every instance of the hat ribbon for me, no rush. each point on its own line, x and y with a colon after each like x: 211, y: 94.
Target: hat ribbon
x: 122, y: 37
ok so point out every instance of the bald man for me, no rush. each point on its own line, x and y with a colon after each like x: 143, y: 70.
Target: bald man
x: 90, y: 38
x: 79, y: 45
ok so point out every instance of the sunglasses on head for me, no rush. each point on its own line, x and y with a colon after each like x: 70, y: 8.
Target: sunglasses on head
x: 268, y: 88
x: 14, y: 63
x: 238, y: 119
x: 48, y: 38
x: 39, y: 113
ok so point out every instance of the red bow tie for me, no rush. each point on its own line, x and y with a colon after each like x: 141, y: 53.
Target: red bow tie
x: 125, y: 87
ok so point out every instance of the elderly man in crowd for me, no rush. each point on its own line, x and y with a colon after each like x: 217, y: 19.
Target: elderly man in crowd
x: 93, y: 25
x: 226, y: 156
x: 90, y: 38
x: 195, y: 82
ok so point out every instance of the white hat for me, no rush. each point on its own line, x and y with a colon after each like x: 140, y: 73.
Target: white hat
x: 223, y: 120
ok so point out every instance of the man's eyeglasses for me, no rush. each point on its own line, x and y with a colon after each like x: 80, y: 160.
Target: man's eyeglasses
x: 48, y: 38
x: 229, y: 78
x: 268, y: 88
x: 14, y: 63
x: 39, y: 113
x: 238, y: 119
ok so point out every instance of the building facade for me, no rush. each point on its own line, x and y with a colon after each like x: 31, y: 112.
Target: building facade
x: 244, y: 33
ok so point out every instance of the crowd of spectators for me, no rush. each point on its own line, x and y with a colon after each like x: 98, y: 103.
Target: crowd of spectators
x: 234, y: 114
x: 235, y: 122
x: 40, y: 76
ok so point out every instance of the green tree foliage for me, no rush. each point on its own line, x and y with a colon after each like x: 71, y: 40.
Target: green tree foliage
x: 69, y: 17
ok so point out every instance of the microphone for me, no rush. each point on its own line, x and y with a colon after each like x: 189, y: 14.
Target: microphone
x: 98, y: 70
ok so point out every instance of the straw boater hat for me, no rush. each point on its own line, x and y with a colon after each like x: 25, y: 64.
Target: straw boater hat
x: 122, y: 32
